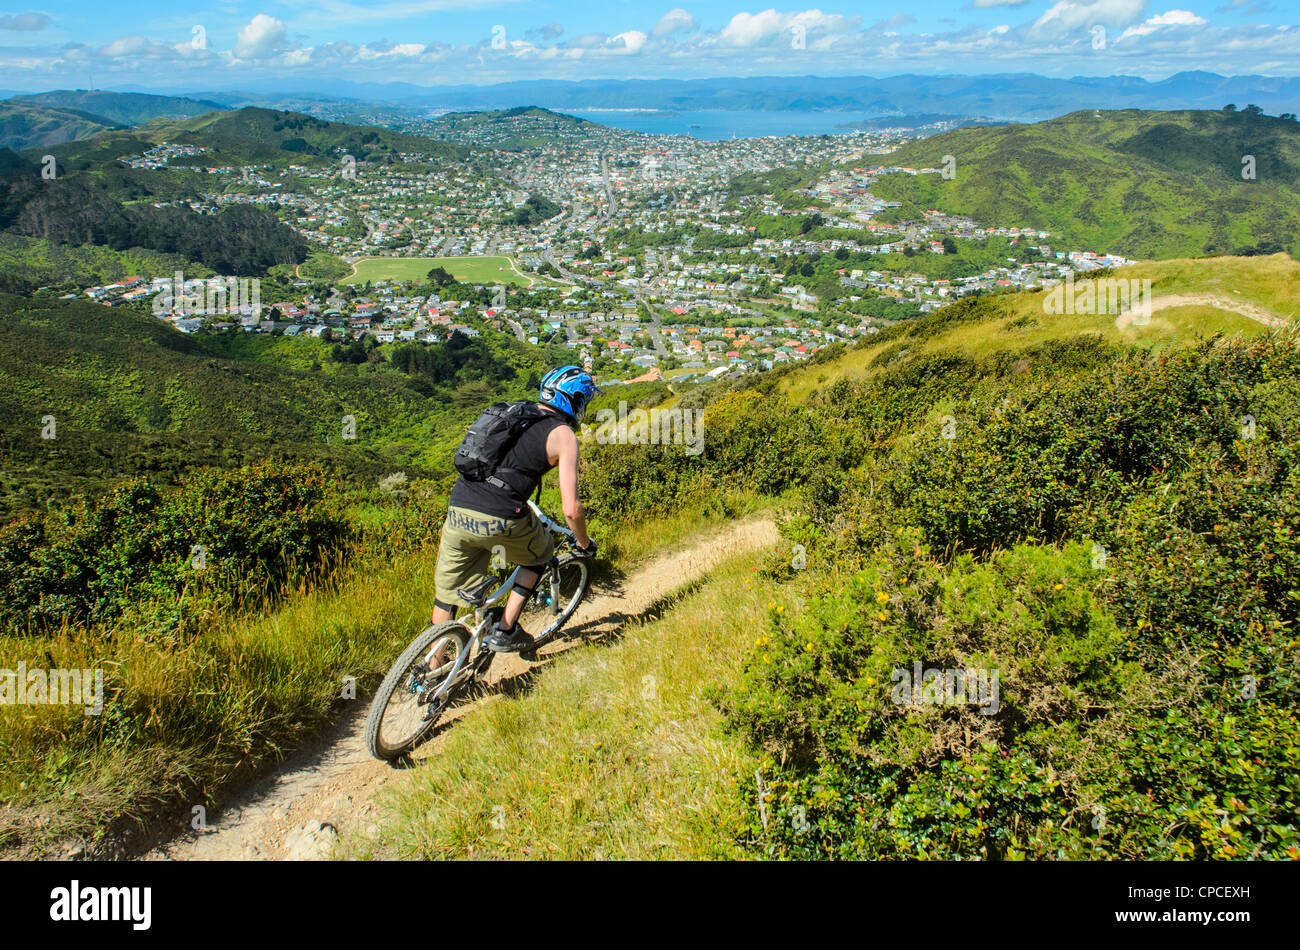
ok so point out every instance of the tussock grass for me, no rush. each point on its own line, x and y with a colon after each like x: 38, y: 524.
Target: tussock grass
x: 615, y: 752
x: 1268, y: 282
x: 187, y: 719
x: 182, y: 720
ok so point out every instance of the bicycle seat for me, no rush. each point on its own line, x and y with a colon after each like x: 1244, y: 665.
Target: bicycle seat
x: 474, y: 596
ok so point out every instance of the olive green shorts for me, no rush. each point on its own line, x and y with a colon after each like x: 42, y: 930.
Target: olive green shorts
x: 470, y: 538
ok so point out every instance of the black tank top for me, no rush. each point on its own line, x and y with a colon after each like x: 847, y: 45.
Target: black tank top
x: 521, y: 469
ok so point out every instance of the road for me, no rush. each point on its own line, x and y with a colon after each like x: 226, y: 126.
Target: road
x: 519, y: 330
x: 656, y: 334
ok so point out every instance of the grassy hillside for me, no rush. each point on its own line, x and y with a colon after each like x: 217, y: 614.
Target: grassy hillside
x: 253, y: 134
x: 27, y: 264
x: 121, y: 108
x: 1020, y: 320
x: 1110, y: 529
x: 25, y: 125
x: 1108, y: 523
x: 1142, y: 184
x: 130, y: 394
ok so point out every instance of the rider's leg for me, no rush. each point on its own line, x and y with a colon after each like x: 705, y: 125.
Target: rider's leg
x: 524, y: 584
x: 441, y: 613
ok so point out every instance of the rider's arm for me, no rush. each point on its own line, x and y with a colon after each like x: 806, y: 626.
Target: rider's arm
x: 567, y: 450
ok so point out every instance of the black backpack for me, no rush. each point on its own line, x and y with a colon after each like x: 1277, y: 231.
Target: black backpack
x: 491, y: 436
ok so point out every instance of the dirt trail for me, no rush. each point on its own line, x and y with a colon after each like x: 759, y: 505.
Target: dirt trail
x: 1248, y: 310
x: 297, y: 812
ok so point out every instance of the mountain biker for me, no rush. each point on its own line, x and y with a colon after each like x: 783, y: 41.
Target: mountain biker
x: 494, y: 513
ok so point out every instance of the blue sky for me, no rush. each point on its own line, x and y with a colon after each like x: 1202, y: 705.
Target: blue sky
x: 226, y: 44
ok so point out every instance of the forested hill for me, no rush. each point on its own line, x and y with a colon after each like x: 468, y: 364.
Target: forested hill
x: 255, y: 134
x: 1139, y: 183
x: 130, y: 394
x: 96, y: 199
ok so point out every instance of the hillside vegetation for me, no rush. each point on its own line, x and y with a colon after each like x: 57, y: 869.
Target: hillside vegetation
x: 1110, y: 529
x: 130, y: 395
x: 1264, y: 285
x: 254, y: 134
x: 1106, y: 529
x: 38, y: 126
x: 120, y: 108
x: 1142, y: 184
x: 97, y: 200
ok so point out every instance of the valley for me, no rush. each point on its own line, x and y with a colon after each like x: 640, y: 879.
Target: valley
x: 1009, y: 400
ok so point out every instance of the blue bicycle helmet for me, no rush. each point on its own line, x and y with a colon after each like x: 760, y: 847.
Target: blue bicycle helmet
x: 568, y: 389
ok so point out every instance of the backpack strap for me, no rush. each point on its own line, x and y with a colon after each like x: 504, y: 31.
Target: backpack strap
x: 503, y: 485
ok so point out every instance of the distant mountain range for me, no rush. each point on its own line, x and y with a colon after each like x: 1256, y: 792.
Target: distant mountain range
x: 997, y: 98
x: 1018, y: 96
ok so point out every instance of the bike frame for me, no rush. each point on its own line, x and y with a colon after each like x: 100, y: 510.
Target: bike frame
x: 498, y: 595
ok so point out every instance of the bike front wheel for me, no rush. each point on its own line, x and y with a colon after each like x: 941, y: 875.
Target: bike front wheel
x: 403, y: 712
x: 559, y: 591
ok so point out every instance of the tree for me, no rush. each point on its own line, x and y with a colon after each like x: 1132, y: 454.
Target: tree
x: 949, y: 246
x: 1230, y: 108
x: 438, y: 276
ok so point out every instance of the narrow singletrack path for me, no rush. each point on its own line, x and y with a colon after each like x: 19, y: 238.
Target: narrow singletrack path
x: 1246, y: 309
x: 298, y: 811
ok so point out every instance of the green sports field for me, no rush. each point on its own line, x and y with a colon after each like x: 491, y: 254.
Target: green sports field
x: 473, y: 270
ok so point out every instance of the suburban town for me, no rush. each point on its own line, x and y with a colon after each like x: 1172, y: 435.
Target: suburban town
x: 649, y: 254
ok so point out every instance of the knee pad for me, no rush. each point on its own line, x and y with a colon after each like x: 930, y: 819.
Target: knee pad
x: 450, y: 608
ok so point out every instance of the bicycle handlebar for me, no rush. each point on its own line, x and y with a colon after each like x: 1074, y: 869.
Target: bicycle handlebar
x: 549, y: 522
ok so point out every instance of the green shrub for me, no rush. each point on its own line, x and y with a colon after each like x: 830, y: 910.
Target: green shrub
x: 1091, y: 745
x: 223, y: 539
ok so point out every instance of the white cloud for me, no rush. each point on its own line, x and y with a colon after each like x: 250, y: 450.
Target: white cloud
x: 548, y: 32
x: 1071, y: 15
x: 761, y: 29
x: 674, y: 21
x: 1169, y: 18
x: 260, y: 38
x: 749, y: 43
x: 631, y: 40
x: 25, y: 22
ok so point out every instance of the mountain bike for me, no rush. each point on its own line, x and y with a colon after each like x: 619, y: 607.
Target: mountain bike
x: 446, y: 664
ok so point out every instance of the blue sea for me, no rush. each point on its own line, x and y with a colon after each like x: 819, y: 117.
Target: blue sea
x: 715, y: 124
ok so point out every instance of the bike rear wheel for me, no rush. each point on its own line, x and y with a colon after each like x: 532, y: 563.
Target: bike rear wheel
x: 559, y: 591
x: 401, y: 715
